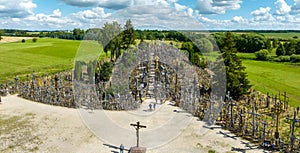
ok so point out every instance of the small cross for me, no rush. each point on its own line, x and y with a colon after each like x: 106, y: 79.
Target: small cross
x: 254, y: 114
x: 293, y: 137
x: 137, y: 126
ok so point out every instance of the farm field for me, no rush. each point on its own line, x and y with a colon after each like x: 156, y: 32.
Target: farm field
x: 44, y: 56
x: 288, y: 35
x: 275, y: 77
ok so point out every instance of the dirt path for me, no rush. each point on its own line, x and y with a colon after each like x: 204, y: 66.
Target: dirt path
x: 56, y: 129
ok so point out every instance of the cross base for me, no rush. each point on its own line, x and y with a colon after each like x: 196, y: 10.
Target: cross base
x: 137, y: 150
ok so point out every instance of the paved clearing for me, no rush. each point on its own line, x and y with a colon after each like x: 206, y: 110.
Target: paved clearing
x: 58, y: 129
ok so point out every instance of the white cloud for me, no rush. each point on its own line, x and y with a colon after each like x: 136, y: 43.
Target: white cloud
x: 262, y: 14
x: 239, y: 19
x: 56, y: 13
x: 282, y: 7
x: 94, y: 13
x: 116, y: 4
x: 217, y: 6
x: 179, y: 7
x: 16, y: 8
x: 261, y: 11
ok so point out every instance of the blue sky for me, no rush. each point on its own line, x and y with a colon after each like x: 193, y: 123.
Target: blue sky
x: 168, y: 14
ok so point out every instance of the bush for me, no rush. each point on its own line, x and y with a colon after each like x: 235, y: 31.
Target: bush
x: 295, y: 58
x: 262, y: 55
x: 23, y: 40
x: 34, y: 40
x: 284, y: 58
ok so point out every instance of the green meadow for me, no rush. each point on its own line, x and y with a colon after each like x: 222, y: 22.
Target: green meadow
x: 274, y: 78
x: 46, y: 56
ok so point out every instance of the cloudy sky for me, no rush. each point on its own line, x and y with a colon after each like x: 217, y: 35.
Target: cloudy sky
x: 169, y: 14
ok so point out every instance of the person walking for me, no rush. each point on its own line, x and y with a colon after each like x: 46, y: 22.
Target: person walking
x: 154, y: 106
x: 150, y: 106
x: 121, y: 148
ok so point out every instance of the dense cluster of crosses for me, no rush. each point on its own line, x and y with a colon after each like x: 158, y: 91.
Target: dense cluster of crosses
x: 257, y: 116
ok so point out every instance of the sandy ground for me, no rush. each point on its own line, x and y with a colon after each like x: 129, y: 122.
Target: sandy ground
x: 6, y: 39
x: 57, y: 129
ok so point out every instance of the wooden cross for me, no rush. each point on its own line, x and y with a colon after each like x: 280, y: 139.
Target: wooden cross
x: 265, y: 126
x: 293, y: 137
x: 253, y: 119
x: 137, y: 126
x: 241, y: 123
x: 231, y: 104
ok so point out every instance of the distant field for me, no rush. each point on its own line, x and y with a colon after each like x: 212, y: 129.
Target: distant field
x: 45, y: 56
x: 289, y: 35
x: 274, y: 78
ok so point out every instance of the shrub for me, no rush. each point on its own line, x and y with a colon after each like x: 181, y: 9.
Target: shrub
x: 23, y: 40
x: 34, y: 40
x: 284, y: 58
x: 262, y: 54
x: 295, y: 58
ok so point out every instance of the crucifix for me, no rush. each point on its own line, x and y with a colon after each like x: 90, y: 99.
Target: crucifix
x: 137, y: 126
x: 278, y: 111
x: 293, y: 137
x: 254, y: 114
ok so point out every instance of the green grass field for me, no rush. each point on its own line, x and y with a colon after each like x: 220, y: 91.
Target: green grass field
x: 274, y: 78
x: 289, y: 35
x: 45, y: 56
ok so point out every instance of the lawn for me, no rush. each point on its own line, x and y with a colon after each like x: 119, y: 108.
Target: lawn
x: 45, y: 56
x: 274, y: 78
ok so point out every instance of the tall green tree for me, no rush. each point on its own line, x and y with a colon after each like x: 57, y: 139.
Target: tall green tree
x: 290, y: 47
x: 237, y: 81
x: 280, y: 51
x: 110, y: 38
x: 128, y: 35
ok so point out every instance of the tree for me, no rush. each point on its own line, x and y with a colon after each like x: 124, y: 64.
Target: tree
x: 110, y: 38
x: 34, y: 40
x: 77, y: 33
x: 1, y: 33
x: 297, y: 48
x: 237, y: 82
x: 189, y: 47
x: 128, y: 35
x: 275, y: 43
x: 203, y: 45
x: 106, y: 71
x: 262, y: 55
x: 280, y: 51
x: 290, y: 47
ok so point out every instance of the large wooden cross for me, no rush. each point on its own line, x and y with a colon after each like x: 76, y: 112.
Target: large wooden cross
x: 137, y: 126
